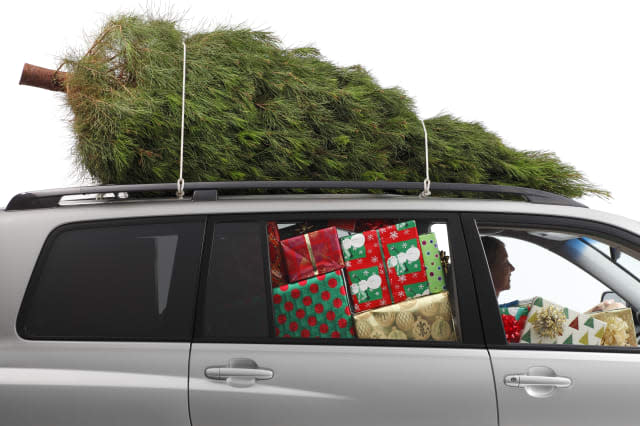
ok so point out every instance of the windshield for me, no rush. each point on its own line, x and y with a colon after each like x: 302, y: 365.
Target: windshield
x: 630, y: 264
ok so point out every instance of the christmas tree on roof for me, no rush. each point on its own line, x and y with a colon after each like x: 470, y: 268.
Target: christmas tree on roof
x: 258, y: 111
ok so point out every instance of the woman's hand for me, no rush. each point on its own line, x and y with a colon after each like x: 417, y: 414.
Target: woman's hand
x: 606, y: 305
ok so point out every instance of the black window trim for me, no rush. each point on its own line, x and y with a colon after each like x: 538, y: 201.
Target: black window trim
x: 492, y: 324
x: 65, y: 227
x: 469, y: 320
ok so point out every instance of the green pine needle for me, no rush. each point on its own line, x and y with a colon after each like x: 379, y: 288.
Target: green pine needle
x: 258, y: 111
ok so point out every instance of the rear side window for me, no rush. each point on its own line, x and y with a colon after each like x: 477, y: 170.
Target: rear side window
x: 345, y: 280
x: 126, y: 280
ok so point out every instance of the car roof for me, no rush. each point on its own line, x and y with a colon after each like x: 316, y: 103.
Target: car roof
x: 303, y: 204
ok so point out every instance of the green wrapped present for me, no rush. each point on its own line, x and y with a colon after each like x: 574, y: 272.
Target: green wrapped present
x: 316, y: 307
x: 432, y: 263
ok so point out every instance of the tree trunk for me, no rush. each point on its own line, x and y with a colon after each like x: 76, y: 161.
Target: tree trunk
x: 43, y: 78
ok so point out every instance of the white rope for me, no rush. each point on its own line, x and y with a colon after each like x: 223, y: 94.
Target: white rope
x: 427, y: 183
x: 180, y: 192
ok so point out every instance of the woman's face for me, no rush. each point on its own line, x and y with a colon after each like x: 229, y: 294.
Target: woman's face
x: 501, y: 271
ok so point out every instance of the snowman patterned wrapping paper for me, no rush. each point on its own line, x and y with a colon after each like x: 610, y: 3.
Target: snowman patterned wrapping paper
x: 384, y: 266
x: 364, y: 264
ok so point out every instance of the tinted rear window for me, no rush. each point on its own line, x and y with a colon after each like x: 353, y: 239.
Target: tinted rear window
x: 133, y: 280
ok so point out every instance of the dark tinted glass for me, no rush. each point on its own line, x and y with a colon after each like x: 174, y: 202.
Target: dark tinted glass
x: 117, y: 280
x: 235, y: 302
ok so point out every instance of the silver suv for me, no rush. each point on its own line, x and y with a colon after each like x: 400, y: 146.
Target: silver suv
x: 123, y: 306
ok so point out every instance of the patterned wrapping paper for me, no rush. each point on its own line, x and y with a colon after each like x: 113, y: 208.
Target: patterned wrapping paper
x: 425, y: 318
x: 432, y: 262
x: 364, y: 264
x: 312, y: 254
x: 405, y: 268
x: 275, y: 255
x: 317, y: 307
x: 620, y: 330
x: 571, y: 327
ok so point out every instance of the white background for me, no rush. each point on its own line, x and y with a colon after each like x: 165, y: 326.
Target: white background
x: 546, y: 75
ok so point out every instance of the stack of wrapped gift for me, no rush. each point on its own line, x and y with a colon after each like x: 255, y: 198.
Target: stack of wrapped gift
x: 391, y: 264
x: 620, y: 329
x: 385, y: 265
x: 554, y: 324
x: 314, y: 302
x: 396, y: 280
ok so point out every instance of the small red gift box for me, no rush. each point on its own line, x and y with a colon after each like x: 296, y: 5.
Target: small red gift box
x: 312, y: 254
x: 275, y: 255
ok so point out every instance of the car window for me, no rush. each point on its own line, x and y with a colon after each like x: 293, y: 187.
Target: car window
x: 338, y: 279
x: 237, y: 289
x: 118, y: 280
x: 551, y: 286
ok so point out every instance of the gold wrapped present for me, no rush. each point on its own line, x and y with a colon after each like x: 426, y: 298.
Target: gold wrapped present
x: 423, y: 318
x: 620, y: 329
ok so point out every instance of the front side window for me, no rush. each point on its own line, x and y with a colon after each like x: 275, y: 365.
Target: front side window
x: 119, y: 280
x: 557, y: 287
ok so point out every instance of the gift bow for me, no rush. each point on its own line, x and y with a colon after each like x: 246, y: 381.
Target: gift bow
x: 549, y: 322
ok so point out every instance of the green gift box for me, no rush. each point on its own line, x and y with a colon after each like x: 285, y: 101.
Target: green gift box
x: 315, y: 307
x: 432, y: 263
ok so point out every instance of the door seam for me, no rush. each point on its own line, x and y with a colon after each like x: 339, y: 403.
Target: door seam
x: 189, y: 384
x: 495, y: 386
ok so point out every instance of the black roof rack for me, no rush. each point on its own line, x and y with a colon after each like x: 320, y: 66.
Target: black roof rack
x: 209, y: 190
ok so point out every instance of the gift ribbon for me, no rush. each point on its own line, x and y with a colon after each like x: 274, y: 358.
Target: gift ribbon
x: 311, y: 257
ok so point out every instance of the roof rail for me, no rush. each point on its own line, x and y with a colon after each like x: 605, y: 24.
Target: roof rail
x: 209, y: 190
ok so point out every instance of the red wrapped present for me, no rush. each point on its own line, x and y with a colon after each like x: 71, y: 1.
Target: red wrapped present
x: 312, y: 254
x: 364, y: 264
x: 405, y: 267
x: 275, y: 255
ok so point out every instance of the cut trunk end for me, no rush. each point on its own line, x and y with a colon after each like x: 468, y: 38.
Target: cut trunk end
x: 43, y: 78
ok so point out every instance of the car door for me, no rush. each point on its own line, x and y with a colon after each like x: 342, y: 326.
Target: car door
x: 103, y: 334
x: 558, y: 384
x: 242, y: 374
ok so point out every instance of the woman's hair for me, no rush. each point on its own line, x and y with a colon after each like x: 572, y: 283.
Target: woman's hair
x: 491, y: 245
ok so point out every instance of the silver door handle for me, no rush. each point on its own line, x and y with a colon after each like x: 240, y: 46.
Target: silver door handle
x: 224, y: 373
x: 523, y: 380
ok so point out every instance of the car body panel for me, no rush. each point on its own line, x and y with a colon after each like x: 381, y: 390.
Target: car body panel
x: 601, y: 391
x: 354, y: 385
x: 93, y: 383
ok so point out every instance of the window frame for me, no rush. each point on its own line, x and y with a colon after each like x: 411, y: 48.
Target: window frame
x: 492, y: 324
x: 45, y: 251
x: 469, y: 319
